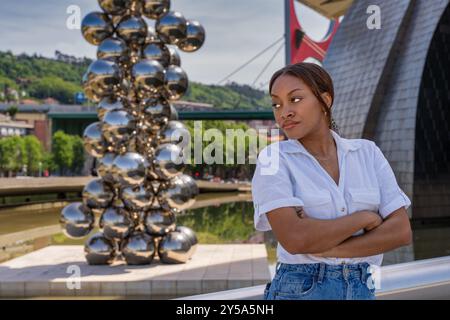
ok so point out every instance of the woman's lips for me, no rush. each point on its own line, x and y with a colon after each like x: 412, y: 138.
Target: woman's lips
x: 291, y: 125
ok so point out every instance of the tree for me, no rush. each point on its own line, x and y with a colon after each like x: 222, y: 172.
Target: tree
x: 34, y: 153
x: 12, y: 111
x: 62, y: 149
x: 12, y: 154
x: 78, y: 154
x: 47, y: 161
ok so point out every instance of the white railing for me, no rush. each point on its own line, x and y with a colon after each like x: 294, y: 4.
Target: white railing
x: 421, y: 279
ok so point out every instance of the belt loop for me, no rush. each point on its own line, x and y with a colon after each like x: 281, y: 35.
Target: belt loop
x: 277, y: 266
x: 363, y: 269
x: 321, y: 272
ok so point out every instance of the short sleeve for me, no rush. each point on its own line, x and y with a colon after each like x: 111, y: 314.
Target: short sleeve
x: 392, y: 197
x: 271, y: 188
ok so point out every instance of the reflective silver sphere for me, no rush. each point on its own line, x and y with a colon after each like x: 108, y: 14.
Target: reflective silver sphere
x: 117, y: 126
x: 101, y: 79
x: 137, y: 198
x: 174, y: 248
x: 176, y: 196
x: 172, y: 27
x: 168, y: 161
x: 157, y: 113
x: 191, y: 235
x: 159, y: 222
x: 76, y: 220
x: 104, y: 167
x: 95, y: 27
x: 116, y: 223
x: 155, y: 9
x: 139, y: 248
x: 97, y: 194
x: 93, y: 140
x: 174, y: 132
x: 99, y: 250
x: 109, y: 104
x: 130, y: 169
x: 191, y: 185
x: 195, y: 37
x: 132, y: 29
x: 175, y: 82
x: 115, y: 7
x: 114, y: 49
x: 147, y: 77
x: 156, y: 50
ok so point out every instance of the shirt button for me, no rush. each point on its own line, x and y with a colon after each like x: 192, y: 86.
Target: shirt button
x: 343, y: 209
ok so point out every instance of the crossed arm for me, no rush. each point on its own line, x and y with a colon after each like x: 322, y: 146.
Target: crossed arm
x: 299, y: 233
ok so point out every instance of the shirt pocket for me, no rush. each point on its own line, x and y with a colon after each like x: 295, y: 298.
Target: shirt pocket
x: 318, y: 204
x: 364, y: 199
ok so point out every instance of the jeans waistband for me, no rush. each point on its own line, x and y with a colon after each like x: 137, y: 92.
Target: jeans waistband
x: 343, y: 271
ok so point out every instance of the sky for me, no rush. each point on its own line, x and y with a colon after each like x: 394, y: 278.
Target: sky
x: 236, y: 30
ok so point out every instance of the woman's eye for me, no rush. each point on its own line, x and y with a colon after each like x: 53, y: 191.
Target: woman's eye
x: 296, y: 99
x: 275, y: 105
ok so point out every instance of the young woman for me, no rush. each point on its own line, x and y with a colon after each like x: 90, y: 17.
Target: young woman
x: 333, y: 204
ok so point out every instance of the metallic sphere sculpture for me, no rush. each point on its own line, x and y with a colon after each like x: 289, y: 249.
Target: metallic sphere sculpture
x: 175, y: 248
x: 191, y: 235
x: 138, y: 142
x: 99, y: 250
x: 139, y: 248
x: 93, y: 140
x: 97, y: 194
x: 76, y: 220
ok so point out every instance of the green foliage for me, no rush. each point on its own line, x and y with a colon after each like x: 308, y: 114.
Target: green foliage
x: 12, y: 110
x: 78, y: 154
x: 13, y: 154
x: 25, y: 66
x: 62, y: 149
x: 53, y: 87
x: 68, y: 153
x: 47, y: 162
x: 17, y: 152
x: 5, y: 82
x: 35, y: 153
x: 233, y: 96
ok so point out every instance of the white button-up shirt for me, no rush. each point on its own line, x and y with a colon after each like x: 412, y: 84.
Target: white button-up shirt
x: 287, y: 175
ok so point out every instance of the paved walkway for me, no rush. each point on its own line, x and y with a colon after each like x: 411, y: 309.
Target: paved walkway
x: 212, y: 268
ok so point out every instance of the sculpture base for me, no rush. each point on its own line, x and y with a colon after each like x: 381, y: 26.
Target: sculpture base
x: 62, y: 271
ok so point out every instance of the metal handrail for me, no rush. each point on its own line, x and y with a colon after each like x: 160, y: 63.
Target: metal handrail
x: 421, y: 279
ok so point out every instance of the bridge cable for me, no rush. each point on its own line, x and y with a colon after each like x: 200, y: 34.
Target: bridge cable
x: 268, y: 63
x: 251, y: 60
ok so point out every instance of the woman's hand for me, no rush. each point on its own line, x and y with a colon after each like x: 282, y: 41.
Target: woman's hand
x: 300, y: 212
x: 374, y: 220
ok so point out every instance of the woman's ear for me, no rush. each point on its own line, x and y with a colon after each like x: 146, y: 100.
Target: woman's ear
x: 327, y: 98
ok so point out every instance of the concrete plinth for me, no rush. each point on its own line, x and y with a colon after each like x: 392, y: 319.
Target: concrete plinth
x: 52, y: 271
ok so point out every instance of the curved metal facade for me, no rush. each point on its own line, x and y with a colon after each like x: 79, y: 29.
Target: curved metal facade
x: 378, y: 74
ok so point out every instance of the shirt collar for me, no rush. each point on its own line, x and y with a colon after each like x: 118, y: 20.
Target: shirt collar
x: 293, y: 145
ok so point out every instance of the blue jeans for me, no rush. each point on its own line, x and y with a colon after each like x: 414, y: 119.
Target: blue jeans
x: 320, y: 281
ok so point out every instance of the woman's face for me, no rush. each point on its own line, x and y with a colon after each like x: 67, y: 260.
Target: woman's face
x: 296, y: 109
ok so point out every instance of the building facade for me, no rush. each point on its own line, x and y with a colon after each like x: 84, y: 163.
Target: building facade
x: 392, y: 86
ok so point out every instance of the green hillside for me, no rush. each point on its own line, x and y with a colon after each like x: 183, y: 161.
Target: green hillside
x: 41, y: 77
